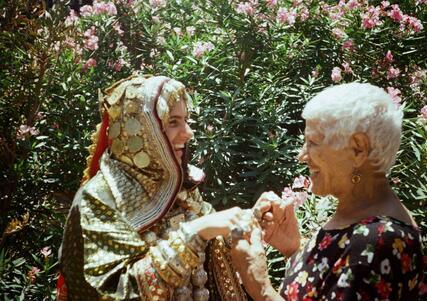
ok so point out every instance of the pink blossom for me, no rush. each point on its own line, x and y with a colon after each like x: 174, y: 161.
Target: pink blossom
x: 395, y: 95
x: 417, y: 77
x: 389, y: 57
x: 418, y: 2
x: 118, y: 28
x: 200, y: 48
x: 348, y: 45
x: 39, y: 115
x: 157, y: 3
x: 89, y: 63
x: 118, y: 65
x: 190, y: 30
x: 423, y: 112
x: 32, y: 274
x: 371, y: 18
x: 336, y: 74
x: 86, y: 10
x: 315, y: 73
x: 25, y: 131
x: 301, y: 182
x: 71, y: 18
x: 296, y: 3
x: 46, y: 251
x: 271, y: 3
x: 395, y: 13
x: 347, y: 68
x: 102, y: 7
x: 392, y: 72
x: 304, y: 13
x: 245, y: 8
x: 91, y: 40
x: 385, y: 4
x: 286, y: 16
x: 412, y: 22
x: 352, y: 4
x: 297, y: 198
x: 338, y: 33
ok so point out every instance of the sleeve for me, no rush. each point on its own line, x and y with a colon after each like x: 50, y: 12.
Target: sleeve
x: 381, y: 265
x: 120, y: 264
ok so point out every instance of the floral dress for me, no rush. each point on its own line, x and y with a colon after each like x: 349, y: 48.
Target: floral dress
x: 379, y: 258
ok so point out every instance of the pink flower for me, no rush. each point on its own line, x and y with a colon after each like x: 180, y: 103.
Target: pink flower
x: 245, y: 8
x: 389, y: 57
x: 91, y: 40
x: 395, y: 13
x: 338, y: 33
x: 190, y: 30
x: 395, y: 95
x: 286, y: 16
x: 352, y: 4
x: 25, y: 131
x: 86, y: 10
x: 292, y: 291
x: 304, y: 13
x: 271, y: 3
x: 119, y: 64
x: 347, y: 68
x: 371, y: 18
x: 89, y: 63
x: 348, y: 45
x: 71, y: 18
x: 32, y: 274
x: 385, y: 4
x: 412, y: 23
x: 118, y: 28
x: 46, y: 251
x: 315, y: 73
x: 423, y: 112
x: 336, y: 74
x: 200, y: 48
x: 157, y: 3
x: 392, y: 72
x: 418, y: 2
x: 101, y: 7
x: 301, y: 182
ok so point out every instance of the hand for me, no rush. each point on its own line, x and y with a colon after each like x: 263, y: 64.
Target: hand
x: 216, y: 224
x: 279, y: 223
x: 250, y: 261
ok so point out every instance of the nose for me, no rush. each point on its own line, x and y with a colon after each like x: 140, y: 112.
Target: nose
x: 188, y: 132
x: 303, y: 154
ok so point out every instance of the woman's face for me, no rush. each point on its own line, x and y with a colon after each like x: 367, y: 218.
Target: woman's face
x: 330, y: 169
x: 177, y: 130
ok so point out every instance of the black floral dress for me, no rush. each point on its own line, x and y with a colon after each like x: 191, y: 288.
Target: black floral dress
x: 379, y: 258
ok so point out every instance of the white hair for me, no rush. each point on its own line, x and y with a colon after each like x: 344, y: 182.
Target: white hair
x: 346, y: 109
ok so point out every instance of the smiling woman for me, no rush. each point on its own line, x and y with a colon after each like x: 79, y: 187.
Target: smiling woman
x: 138, y: 228
x: 370, y: 249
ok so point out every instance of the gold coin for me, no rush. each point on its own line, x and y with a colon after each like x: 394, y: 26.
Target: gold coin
x: 114, y: 112
x: 141, y: 159
x: 132, y: 126
x: 131, y: 107
x: 117, y: 147
x: 134, y: 144
x: 114, y: 130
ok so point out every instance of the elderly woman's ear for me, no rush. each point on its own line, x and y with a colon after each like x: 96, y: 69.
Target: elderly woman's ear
x: 359, y: 144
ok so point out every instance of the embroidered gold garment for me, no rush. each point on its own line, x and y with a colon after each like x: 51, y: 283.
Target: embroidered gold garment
x: 126, y: 236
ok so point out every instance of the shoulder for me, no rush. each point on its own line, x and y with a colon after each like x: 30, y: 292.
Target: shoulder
x: 380, y: 238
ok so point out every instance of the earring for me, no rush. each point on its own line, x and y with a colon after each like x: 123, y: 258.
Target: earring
x: 355, y: 177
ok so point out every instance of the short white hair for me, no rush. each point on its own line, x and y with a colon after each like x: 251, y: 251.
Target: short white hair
x: 346, y: 109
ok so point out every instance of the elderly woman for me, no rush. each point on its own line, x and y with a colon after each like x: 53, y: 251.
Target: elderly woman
x: 138, y: 228
x: 370, y: 248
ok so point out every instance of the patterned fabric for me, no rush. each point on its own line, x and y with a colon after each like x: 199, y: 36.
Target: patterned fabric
x: 124, y: 238
x: 379, y: 258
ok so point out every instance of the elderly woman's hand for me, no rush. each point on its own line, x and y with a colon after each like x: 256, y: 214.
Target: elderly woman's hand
x: 279, y: 223
x: 250, y: 261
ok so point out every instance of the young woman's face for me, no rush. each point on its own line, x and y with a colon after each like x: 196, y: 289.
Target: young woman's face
x: 177, y: 130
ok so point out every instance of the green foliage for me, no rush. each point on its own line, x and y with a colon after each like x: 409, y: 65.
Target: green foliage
x: 249, y: 86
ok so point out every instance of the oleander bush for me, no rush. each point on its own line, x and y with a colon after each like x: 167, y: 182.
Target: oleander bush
x: 250, y: 67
